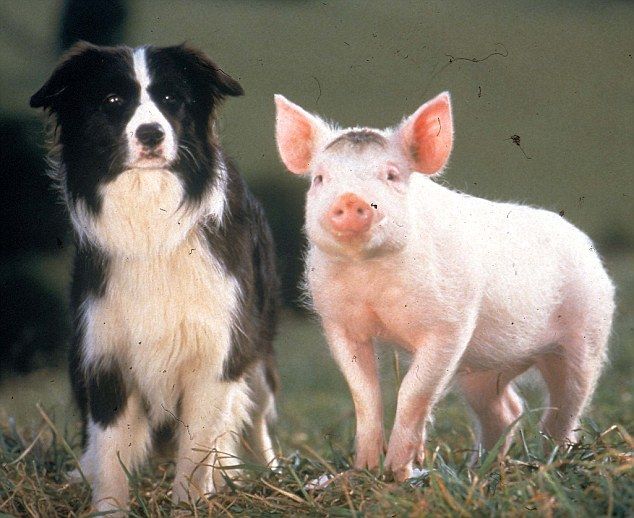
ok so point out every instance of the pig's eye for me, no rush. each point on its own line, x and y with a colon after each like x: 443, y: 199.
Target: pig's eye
x: 318, y: 180
x: 392, y: 175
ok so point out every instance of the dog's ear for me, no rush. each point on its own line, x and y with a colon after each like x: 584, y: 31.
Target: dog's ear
x: 50, y: 96
x: 208, y: 75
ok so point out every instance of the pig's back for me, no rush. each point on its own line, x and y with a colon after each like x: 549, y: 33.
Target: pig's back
x: 540, y: 275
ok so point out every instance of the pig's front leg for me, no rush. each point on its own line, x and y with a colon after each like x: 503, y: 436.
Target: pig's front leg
x: 357, y: 361
x: 433, y: 366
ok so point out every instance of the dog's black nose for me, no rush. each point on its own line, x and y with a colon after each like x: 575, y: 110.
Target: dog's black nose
x: 150, y: 135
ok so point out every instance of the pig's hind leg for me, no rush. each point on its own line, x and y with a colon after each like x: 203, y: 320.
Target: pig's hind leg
x: 570, y: 374
x: 571, y: 368
x: 495, y: 404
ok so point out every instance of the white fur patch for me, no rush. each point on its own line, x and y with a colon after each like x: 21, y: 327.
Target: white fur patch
x: 147, y: 113
x: 216, y: 201
x: 143, y: 213
x: 161, y: 317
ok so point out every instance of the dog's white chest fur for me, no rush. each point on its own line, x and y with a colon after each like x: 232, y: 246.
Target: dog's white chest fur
x: 167, y: 307
x: 141, y: 214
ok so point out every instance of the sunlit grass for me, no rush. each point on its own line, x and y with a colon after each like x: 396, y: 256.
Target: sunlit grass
x: 593, y: 478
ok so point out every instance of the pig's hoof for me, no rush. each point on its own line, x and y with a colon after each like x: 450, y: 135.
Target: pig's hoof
x: 74, y: 477
x: 420, y: 456
x: 402, y: 474
x: 369, y: 452
x: 364, y: 463
x: 368, y: 460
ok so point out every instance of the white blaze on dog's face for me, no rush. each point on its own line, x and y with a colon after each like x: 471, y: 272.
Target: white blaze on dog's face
x: 151, y: 138
x: 358, y: 202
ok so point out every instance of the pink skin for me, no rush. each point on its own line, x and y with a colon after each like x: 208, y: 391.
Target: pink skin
x: 475, y: 291
x: 348, y: 218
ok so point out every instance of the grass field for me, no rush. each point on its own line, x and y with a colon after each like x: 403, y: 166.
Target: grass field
x: 39, y: 442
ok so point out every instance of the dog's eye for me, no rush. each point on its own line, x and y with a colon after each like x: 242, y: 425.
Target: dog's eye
x: 113, y: 101
x: 169, y: 99
x: 318, y: 179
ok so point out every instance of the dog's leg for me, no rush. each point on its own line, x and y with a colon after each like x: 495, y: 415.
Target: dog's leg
x: 259, y: 437
x: 124, y: 441
x: 213, y: 414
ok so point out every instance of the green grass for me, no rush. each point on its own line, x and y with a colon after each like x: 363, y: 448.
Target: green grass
x: 39, y: 444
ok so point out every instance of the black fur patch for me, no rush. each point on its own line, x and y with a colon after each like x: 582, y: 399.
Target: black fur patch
x: 107, y: 394
x: 244, y: 245
x: 78, y: 381
x: 90, y: 273
x: 90, y: 132
x: 163, y: 437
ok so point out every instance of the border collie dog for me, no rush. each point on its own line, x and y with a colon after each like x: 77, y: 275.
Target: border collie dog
x: 174, y: 290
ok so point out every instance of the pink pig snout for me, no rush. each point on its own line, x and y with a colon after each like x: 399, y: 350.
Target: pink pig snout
x: 349, y: 216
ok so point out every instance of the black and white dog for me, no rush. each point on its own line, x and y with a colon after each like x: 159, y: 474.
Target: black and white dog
x: 174, y: 288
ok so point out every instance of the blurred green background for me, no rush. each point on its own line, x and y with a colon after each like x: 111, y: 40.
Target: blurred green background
x: 560, y: 75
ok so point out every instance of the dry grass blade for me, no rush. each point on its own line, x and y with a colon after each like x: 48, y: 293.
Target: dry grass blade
x: 323, y: 461
x: 281, y: 491
x: 61, y: 438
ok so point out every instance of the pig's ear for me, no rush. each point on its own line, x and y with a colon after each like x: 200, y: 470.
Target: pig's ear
x: 427, y: 135
x: 298, y: 135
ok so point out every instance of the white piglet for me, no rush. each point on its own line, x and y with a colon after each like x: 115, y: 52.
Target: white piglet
x: 477, y: 291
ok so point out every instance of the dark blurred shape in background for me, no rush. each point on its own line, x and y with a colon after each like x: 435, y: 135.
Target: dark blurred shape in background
x: 32, y: 218
x: 33, y: 315
x: 285, y: 211
x: 98, y: 21
x: 34, y: 322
